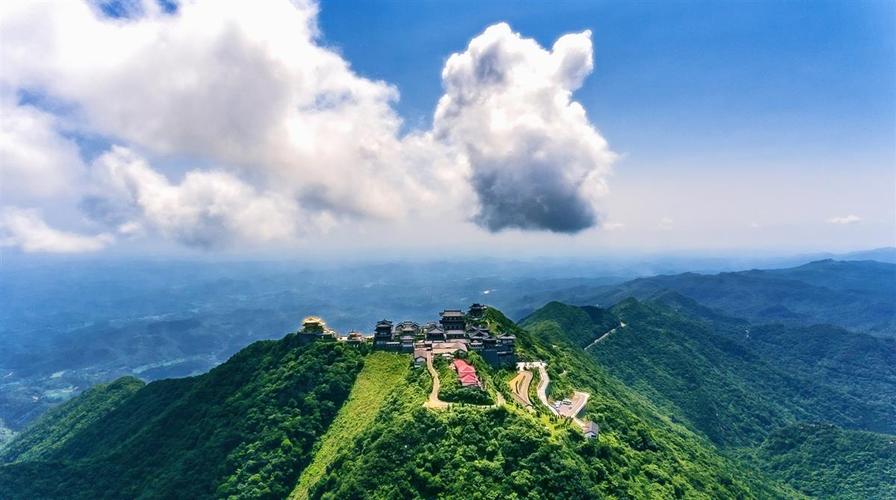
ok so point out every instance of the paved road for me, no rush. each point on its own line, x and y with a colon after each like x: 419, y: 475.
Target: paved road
x: 519, y: 387
x: 605, y: 335
x: 579, y: 399
x: 542, y: 388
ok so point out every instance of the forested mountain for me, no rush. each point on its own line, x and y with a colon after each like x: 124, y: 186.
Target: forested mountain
x: 508, y: 453
x: 692, y: 401
x: 857, y: 295
x: 246, y: 428
x: 747, y: 387
x: 250, y: 428
x: 826, y: 461
x: 69, y: 325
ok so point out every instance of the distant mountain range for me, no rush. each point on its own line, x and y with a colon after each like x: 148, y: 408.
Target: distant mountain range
x: 856, y: 295
x: 883, y: 254
x: 754, y: 384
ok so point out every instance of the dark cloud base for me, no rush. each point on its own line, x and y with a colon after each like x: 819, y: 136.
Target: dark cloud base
x: 535, y: 201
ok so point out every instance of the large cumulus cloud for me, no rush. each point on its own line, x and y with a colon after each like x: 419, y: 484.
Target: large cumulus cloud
x: 273, y: 135
x: 536, y: 161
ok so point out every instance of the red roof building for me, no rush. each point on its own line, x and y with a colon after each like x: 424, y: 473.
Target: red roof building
x: 466, y: 373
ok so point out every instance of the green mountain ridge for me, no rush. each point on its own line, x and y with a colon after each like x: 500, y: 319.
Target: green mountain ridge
x: 856, y: 295
x: 691, y: 403
x: 506, y: 452
x: 741, y: 385
x: 244, y: 429
x: 250, y: 427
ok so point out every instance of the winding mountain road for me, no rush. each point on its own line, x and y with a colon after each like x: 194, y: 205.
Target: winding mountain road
x: 542, y: 389
x: 605, y: 335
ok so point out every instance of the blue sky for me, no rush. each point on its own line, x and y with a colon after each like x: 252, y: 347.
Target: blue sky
x: 773, y: 78
x: 735, y: 125
x: 780, y: 94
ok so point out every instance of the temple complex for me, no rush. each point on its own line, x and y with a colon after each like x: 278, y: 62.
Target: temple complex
x: 455, y: 331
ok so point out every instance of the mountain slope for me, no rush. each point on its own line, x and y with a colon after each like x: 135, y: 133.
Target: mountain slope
x: 64, y: 422
x: 729, y: 390
x: 827, y: 462
x: 381, y: 373
x: 857, y: 295
x: 740, y: 385
x: 505, y: 452
x: 246, y: 428
x: 252, y: 426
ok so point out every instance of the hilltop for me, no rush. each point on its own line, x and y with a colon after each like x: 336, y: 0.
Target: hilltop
x: 331, y: 419
x: 246, y: 428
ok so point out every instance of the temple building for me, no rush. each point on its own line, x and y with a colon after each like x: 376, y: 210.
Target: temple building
x: 466, y: 374
x: 355, y: 338
x: 435, y: 333
x: 407, y: 328
x: 453, y: 320
x: 382, y: 334
x: 314, y: 327
x: 477, y: 310
x: 313, y: 324
x: 451, y: 334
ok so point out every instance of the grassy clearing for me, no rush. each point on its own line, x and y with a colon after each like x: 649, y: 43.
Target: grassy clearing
x: 382, y: 372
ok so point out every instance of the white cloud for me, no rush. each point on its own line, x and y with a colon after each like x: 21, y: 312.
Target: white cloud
x: 845, y: 219
x: 25, y: 229
x: 612, y: 225
x: 207, y: 209
x: 536, y: 161
x: 666, y: 223
x: 35, y: 160
x: 299, y: 141
x: 245, y: 86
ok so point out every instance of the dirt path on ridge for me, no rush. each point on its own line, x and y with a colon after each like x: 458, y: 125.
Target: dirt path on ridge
x: 434, y: 401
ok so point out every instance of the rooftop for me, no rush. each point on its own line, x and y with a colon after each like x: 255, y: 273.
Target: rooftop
x: 591, y: 428
x: 466, y: 373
